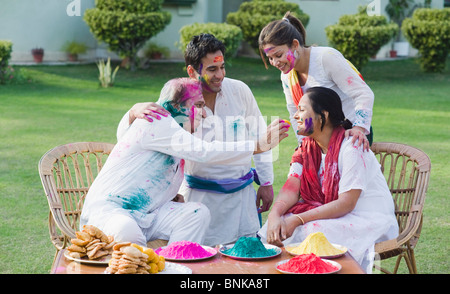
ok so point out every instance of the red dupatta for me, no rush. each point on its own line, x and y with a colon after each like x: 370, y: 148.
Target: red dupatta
x: 309, y: 155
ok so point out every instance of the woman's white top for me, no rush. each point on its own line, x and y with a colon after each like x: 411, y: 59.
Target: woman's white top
x: 328, y: 68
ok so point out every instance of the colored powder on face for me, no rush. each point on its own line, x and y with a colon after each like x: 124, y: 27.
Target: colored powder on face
x: 268, y: 49
x: 309, y: 126
x: 307, y: 264
x: 291, y: 58
x: 184, y: 250
x: 218, y: 59
x: 249, y: 247
x: 315, y: 243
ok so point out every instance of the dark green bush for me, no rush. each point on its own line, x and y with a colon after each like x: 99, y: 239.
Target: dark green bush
x: 428, y: 30
x: 5, y: 55
x: 126, y: 25
x: 359, y: 36
x: 254, y: 15
x: 230, y: 35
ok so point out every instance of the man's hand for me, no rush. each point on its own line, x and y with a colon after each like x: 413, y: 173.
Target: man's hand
x: 148, y: 111
x: 264, y: 195
x: 276, y: 132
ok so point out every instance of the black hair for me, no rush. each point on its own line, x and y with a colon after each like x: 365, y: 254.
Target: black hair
x: 282, y: 32
x: 325, y: 99
x: 199, y: 47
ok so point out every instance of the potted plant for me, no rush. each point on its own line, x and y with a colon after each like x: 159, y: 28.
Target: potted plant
x: 155, y: 51
x: 38, y: 54
x: 398, y: 10
x: 73, y: 49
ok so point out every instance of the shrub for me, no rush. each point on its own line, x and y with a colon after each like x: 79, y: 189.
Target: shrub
x: 359, y: 36
x: 229, y: 35
x: 106, y: 75
x: 126, y: 25
x: 429, y: 32
x: 254, y: 15
x: 5, y: 55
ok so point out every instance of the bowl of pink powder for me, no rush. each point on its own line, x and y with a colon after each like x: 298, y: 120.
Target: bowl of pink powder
x: 185, y: 251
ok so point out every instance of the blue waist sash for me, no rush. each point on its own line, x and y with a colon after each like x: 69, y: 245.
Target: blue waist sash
x: 225, y: 186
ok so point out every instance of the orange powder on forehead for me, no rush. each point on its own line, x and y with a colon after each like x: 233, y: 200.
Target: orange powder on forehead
x: 218, y: 58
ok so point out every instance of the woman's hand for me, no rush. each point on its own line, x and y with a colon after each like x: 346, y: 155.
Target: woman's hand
x: 274, y: 225
x: 148, y: 111
x: 358, y: 134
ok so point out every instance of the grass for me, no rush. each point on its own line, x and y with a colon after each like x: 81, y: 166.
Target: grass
x: 65, y: 104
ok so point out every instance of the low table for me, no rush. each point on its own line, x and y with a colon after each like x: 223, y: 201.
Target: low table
x: 218, y: 264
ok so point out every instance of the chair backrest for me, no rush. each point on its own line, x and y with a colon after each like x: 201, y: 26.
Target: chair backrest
x: 407, y: 172
x: 67, y: 172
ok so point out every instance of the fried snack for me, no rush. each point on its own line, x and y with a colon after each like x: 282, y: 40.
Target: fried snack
x: 130, y: 258
x: 91, y: 242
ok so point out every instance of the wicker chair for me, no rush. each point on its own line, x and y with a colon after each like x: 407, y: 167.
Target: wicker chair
x: 407, y: 171
x: 67, y: 172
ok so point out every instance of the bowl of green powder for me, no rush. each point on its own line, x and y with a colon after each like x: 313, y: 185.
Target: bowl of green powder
x: 249, y: 248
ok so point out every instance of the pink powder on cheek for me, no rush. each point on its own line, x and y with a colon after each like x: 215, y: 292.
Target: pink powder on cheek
x: 291, y: 58
x: 184, y: 250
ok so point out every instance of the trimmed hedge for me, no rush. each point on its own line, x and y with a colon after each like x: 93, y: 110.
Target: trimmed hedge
x: 5, y: 55
x: 126, y: 25
x: 229, y: 35
x: 428, y: 30
x: 359, y: 36
x: 253, y: 16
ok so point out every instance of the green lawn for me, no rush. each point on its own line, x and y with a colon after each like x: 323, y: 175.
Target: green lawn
x: 65, y: 104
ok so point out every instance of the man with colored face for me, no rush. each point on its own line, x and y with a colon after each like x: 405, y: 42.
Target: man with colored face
x: 232, y: 114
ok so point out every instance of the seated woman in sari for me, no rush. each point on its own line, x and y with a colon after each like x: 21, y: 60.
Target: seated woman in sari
x: 333, y: 186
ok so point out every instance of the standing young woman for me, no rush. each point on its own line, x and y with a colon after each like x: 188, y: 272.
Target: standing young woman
x: 303, y: 67
x: 333, y: 186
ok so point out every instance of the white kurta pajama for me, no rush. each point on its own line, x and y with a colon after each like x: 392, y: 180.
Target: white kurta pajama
x: 236, y: 117
x: 371, y: 221
x: 131, y: 196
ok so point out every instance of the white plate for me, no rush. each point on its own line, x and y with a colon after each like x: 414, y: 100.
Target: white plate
x: 268, y: 246
x: 102, y: 260
x: 207, y: 248
x: 174, y: 268
x: 289, y: 247
x: 336, y: 264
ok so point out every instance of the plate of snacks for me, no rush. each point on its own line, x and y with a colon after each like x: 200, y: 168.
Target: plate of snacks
x: 91, y: 245
x: 130, y: 258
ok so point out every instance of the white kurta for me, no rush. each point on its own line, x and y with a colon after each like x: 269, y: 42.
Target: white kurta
x: 371, y: 221
x: 236, y: 117
x: 328, y: 68
x: 145, y: 170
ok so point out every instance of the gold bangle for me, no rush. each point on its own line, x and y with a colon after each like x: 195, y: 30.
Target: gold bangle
x: 303, y: 222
